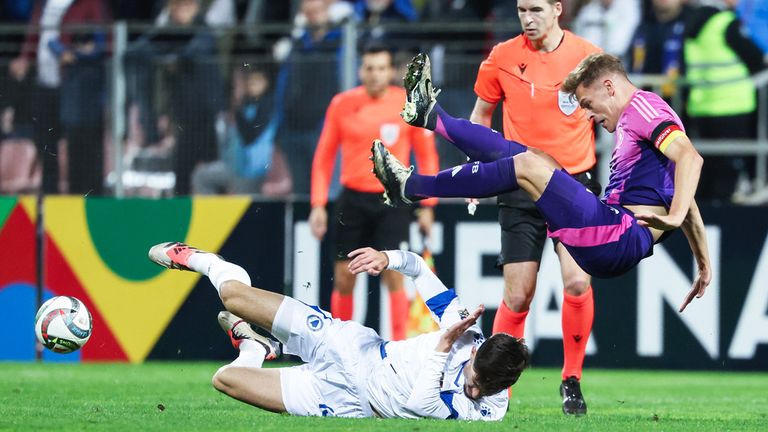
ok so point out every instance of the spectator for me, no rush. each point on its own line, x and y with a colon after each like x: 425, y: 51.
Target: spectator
x: 218, y: 13
x: 754, y: 15
x: 657, y: 46
x: 186, y: 60
x: 376, y: 14
x: 83, y: 96
x: 45, y: 108
x: 313, y: 58
x: 719, y: 59
x: 608, y: 24
x: 249, y: 154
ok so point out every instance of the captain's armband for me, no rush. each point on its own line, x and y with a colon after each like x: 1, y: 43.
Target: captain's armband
x: 664, y: 134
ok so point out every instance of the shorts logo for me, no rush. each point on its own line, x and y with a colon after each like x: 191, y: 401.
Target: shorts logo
x: 566, y: 102
x: 326, y: 411
x: 456, y: 170
x: 389, y: 133
x: 314, y: 322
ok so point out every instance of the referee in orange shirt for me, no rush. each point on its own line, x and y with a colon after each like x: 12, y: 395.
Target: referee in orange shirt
x: 353, y: 120
x: 526, y: 73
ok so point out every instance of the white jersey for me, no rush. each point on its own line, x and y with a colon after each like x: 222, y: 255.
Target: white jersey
x: 413, y: 380
x: 352, y: 372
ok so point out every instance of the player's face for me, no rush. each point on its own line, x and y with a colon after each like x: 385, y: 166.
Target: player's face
x: 471, y: 390
x: 599, y: 103
x: 538, y: 17
x: 376, y: 72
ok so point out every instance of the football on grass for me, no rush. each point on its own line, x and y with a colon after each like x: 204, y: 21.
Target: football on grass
x: 63, y: 324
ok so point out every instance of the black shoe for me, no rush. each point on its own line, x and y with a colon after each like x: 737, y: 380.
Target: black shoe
x: 420, y: 94
x: 573, y: 400
x: 391, y: 173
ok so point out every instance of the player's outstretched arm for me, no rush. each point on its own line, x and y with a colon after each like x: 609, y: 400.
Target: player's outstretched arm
x: 442, y: 302
x: 693, y: 228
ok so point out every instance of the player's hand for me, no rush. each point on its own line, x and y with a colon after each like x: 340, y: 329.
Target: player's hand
x: 318, y: 222
x: 471, y: 205
x: 699, y: 286
x: 18, y: 68
x: 367, y: 260
x: 455, y: 331
x: 661, y: 222
x: 425, y: 218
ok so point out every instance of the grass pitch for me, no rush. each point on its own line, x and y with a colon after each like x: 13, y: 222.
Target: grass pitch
x: 179, y: 397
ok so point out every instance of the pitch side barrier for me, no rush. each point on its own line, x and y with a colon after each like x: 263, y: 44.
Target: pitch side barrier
x: 95, y: 249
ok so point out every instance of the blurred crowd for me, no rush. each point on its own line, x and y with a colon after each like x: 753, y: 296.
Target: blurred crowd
x: 229, y: 96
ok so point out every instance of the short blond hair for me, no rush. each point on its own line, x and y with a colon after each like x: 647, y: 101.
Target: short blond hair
x: 590, y: 69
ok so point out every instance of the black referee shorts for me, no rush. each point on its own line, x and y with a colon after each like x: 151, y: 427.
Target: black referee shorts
x: 523, y: 230
x: 362, y: 220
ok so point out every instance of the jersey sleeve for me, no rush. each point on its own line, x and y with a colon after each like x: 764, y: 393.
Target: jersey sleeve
x: 423, y: 144
x: 489, y: 408
x: 487, y: 85
x: 426, y: 399
x: 325, y: 155
x: 653, y: 120
x: 442, y: 302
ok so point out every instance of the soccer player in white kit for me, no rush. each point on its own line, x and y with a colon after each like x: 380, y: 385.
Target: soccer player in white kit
x: 349, y: 370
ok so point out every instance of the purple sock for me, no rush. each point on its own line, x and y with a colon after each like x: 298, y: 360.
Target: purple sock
x: 476, y: 141
x: 474, y: 179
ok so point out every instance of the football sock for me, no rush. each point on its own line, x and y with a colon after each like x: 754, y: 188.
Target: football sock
x: 509, y: 322
x: 219, y: 271
x: 252, y: 354
x: 398, y: 313
x: 478, y: 142
x: 578, y: 312
x: 342, y: 306
x: 476, y: 179
x: 201, y: 262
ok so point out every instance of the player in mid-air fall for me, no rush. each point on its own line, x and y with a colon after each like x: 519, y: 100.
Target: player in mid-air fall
x: 654, y: 171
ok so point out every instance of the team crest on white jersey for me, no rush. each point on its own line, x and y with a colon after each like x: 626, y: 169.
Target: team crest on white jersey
x: 314, y: 322
x: 389, y: 134
x: 567, y: 102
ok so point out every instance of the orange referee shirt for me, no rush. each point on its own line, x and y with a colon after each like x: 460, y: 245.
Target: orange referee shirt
x: 353, y: 120
x: 536, y: 112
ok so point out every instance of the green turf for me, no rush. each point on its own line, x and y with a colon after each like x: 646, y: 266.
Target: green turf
x: 128, y: 397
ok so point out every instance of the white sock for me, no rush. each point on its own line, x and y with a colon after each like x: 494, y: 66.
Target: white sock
x: 220, y: 271
x: 201, y: 262
x: 252, y: 355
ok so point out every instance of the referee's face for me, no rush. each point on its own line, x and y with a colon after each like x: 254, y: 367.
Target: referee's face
x: 538, y: 17
x: 376, y: 72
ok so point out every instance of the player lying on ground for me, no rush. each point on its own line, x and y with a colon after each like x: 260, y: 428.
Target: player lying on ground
x: 654, y: 171
x: 349, y: 370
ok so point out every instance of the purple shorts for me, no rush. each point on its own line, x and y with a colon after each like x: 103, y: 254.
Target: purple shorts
x: 605, y: 241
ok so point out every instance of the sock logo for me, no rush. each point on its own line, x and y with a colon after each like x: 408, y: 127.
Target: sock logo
x: 522, y: 67
x: 577, y: 338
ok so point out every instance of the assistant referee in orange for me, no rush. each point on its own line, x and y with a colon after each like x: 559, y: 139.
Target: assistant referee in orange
x: 353, y: 120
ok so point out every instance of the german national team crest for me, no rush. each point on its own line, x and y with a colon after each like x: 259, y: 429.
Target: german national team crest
x: 389, y: 134
x: 566, y: 102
